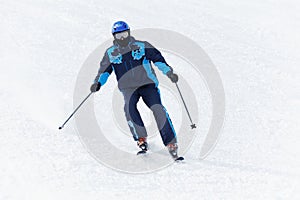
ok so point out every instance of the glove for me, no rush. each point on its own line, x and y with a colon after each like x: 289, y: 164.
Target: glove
x: 95, y: 87
x: 172, y: 76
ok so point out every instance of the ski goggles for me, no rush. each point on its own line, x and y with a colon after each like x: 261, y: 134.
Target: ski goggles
x: 120, y: 35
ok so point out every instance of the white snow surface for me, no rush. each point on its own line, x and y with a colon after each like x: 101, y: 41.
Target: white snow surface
x: 255, y: 46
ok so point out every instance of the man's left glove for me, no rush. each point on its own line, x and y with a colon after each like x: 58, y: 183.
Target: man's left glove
x: 95, y: 87
x: 172, y: 76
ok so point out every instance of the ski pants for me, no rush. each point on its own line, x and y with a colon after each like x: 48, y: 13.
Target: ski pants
x: 151, y: 97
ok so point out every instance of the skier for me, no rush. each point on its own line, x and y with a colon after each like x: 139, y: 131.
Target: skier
x: 131, y: 59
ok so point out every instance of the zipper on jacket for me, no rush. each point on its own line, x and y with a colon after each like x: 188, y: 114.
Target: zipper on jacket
x: 132, y: 72
x: 126, y: 66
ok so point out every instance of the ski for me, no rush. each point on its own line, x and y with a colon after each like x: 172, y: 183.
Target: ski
x: 141, y: 152
x: 179, y: 159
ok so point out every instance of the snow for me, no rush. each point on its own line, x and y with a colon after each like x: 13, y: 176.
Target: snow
x: 255, y: 46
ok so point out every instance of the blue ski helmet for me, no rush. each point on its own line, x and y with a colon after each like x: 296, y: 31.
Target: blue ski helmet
x: 119, y: 26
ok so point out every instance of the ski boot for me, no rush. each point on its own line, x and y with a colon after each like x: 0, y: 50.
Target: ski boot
x: 143, y: 145
x: 173, y: 148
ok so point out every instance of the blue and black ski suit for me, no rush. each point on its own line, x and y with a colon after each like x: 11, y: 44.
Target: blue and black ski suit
x: 136, y: 78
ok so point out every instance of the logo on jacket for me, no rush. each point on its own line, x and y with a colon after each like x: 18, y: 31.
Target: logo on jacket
x: 114, y: 55
x: 138, y: 50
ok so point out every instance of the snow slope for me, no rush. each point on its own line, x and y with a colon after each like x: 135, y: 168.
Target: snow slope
x: 255, y: 46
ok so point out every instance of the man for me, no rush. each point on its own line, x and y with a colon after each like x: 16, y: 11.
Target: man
x: 131, y: 59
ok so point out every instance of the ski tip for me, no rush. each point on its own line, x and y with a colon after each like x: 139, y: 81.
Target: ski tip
x: 59, y: 127
x: 141, y: 152
x: 179, y: 159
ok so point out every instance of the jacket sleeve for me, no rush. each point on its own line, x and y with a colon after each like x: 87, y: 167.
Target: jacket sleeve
x: 104, y: 71
x: 155, y: 56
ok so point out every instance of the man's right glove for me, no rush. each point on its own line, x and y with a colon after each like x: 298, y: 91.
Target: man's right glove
x: 95, y: 87
x: 172, y: 76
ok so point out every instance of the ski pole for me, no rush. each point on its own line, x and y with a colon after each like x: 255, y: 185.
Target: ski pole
x: 192, y: 125
x: 75, y: 110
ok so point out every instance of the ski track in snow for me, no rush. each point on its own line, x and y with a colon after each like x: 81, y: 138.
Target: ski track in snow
x: 255, y: 46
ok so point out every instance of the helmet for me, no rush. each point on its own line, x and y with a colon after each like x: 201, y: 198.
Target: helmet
x: 119, y: 26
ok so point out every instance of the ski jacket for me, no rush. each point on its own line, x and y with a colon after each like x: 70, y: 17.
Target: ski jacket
x: 132, y: 64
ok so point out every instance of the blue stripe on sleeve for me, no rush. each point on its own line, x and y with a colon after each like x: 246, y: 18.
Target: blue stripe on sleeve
x: 103, y: 78
x: 147, y: 67
x: 163, y: 67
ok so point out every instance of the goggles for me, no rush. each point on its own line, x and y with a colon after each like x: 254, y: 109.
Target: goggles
x: 120, y: 35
